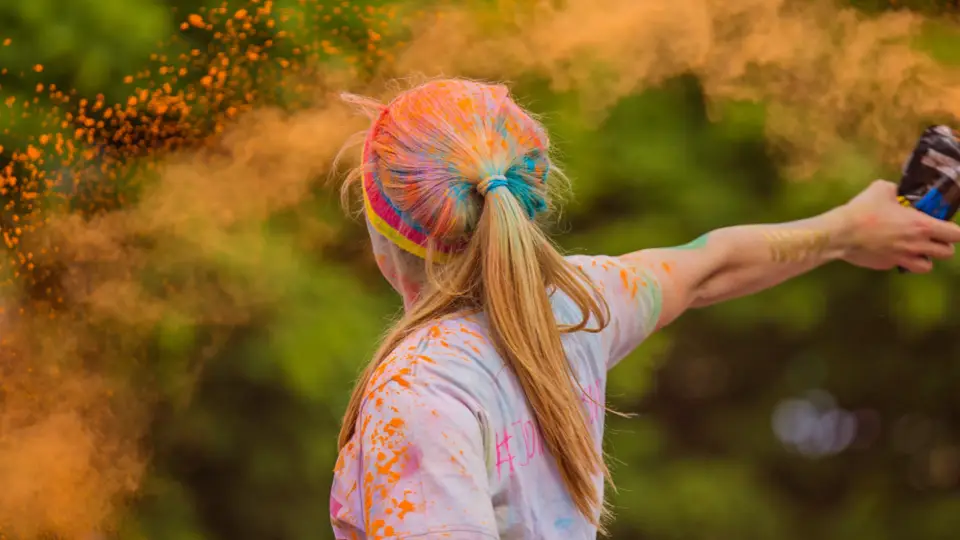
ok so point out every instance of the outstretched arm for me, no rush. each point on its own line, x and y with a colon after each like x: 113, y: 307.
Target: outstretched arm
x: 738, y: 261
x: 872, y: 231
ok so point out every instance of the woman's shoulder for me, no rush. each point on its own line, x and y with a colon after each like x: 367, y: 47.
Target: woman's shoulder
x: 606, y: 273
x: 454, y: 354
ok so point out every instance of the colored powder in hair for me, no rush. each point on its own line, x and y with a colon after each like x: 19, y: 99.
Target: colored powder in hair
x: 435, y: 143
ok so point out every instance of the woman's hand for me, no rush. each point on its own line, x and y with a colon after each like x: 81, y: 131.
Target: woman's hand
x: 883, y: 234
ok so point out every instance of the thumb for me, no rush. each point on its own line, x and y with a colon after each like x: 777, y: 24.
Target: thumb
x: 884, y: 186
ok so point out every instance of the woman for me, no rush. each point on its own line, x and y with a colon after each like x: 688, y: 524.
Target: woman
x: 481, y: 415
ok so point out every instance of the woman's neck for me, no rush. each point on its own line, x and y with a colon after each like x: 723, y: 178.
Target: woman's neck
x: 409, y: 291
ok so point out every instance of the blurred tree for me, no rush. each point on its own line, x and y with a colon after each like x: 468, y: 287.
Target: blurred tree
x: 248, y: 452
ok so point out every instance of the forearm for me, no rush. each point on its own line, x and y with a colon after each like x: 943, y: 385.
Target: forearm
x: 750, y: 258
x: 738, y: 261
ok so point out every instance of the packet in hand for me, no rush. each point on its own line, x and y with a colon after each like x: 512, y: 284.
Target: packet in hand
x: 930, y: 176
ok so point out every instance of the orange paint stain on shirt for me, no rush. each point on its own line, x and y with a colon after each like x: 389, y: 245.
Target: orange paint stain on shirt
x: 401, y: 377
x: 348, y: 452
x: 468, y: 331
x: 368, y: 492
x: 380, y: 371
x: 386, y: 469
x: 376, y: 526
x: 394, y: 430
x: 351, y: 490
x: 630, y: 282
x: 426, y: 359
x: 365, y: 423
x: 406, y: 507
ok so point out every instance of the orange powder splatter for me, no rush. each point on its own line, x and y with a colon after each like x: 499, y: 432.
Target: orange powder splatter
x: 406, y: 507
x: 400, y: 377
x: 470, y: 332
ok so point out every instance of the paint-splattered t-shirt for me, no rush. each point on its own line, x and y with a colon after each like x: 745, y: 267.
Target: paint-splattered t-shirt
x: 446, y: 445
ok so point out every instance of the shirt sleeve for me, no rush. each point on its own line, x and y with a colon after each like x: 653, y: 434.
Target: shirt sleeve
x: 633, y: 296
x: 423, y: 470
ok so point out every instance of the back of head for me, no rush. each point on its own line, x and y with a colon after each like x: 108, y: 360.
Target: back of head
x: 456, y: 173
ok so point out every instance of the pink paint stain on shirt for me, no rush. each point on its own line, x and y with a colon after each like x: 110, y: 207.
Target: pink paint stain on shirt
x: 519, y: 443
x: 335, y: 506
x: 414, y: 456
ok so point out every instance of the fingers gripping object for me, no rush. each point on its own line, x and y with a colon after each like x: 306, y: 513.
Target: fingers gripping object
x: 931, y: 176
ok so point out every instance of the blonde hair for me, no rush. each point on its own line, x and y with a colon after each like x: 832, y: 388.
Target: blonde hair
x: 433, y: 152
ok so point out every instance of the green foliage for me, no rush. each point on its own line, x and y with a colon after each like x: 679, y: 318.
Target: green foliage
x: 248, y: 452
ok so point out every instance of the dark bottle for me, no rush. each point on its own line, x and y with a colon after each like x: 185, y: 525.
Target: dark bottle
x: 929, y: 181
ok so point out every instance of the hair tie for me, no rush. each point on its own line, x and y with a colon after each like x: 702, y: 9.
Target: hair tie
x: 490, y: 183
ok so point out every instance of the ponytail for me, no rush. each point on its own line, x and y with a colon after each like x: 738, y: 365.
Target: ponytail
x: 517, y: 260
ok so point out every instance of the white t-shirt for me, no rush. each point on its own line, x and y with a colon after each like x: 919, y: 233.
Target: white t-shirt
x: 446, y: 445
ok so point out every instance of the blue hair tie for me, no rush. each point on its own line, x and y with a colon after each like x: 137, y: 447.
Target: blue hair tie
x: 491, y: 183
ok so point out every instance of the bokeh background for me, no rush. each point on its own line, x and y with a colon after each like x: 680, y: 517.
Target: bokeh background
x: 184, y: 311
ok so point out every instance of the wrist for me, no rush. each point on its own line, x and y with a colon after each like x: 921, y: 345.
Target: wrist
x: 840, y: 226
